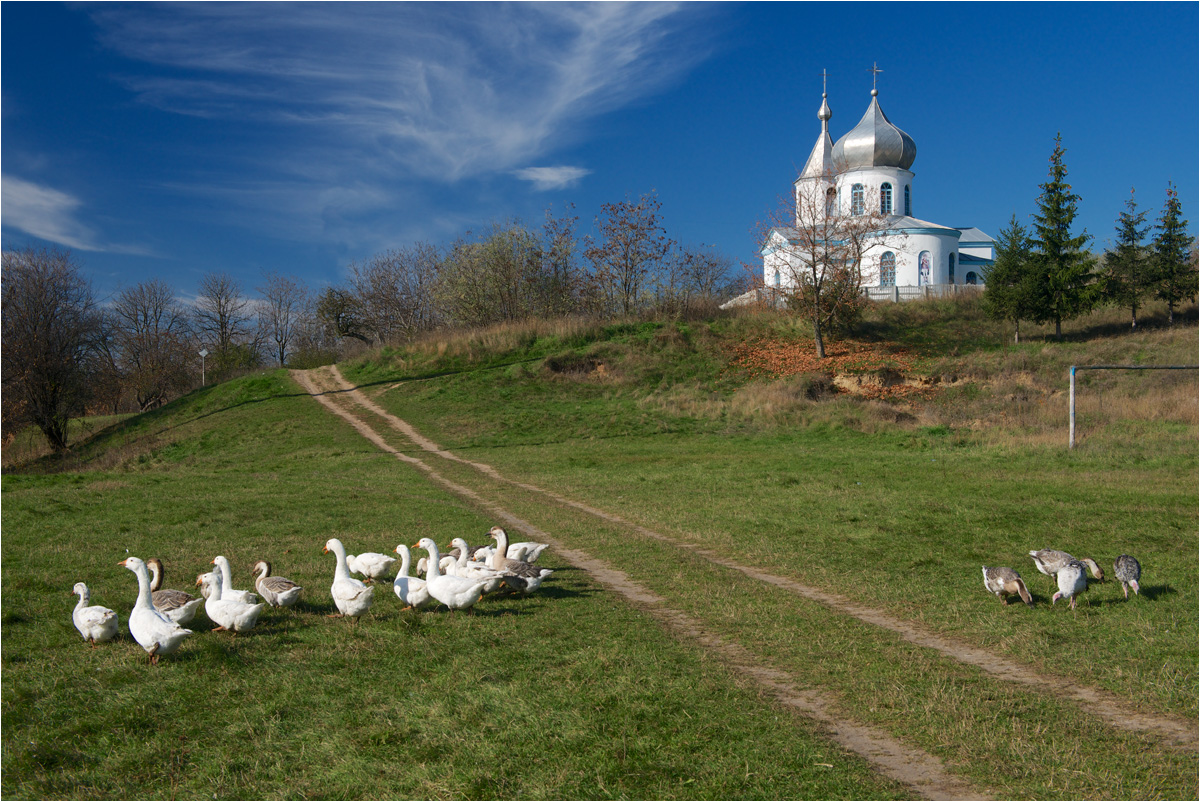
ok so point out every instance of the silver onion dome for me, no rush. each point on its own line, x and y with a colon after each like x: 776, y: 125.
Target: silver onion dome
x: 820, y: 161
x: 874, y: 142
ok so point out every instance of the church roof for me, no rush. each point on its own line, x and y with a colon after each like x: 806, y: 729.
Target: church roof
x: 875, y: 142
x: 974, y: 235
x: 900, y: 222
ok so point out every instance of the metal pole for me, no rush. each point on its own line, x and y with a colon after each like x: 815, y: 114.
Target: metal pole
x: 1071, y: 439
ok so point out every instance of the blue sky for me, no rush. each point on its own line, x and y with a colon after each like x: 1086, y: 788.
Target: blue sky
x: 171, y: 140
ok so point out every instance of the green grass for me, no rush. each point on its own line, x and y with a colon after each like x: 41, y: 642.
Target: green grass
x: 569, y: 693
x: 573, y: 693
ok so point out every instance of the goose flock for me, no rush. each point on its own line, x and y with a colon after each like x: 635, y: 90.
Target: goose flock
x: 457, y: 580
x: 1068, y: 574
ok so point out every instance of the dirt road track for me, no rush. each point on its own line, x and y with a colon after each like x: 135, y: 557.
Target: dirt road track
x: 920, y: 770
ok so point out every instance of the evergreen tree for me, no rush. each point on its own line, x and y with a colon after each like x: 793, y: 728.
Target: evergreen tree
x: 1009, y: 281
x: 1174, y: 269
x: 1065, y: 287
x: 1127, y: 266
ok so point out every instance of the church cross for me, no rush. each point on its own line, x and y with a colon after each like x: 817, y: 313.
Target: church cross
x: 875, y: 75
x: 824, y: 81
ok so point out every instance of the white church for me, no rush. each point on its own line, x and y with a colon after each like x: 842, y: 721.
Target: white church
x: 869, y: 172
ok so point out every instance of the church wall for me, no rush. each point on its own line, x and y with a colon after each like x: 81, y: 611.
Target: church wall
x: 907, y: 247
x: 872, y: 180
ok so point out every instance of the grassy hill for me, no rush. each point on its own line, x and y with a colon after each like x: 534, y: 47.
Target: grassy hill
x: 928, y: 446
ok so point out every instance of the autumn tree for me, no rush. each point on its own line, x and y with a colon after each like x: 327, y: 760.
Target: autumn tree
x: 631, y: 248
x: 149, y: 342
x: 1174, y: 260
x: 816, y: 253
x: 1065, y: 286
x: 50, y: 326
x: 279, y: 312
x: 1010, y: 279
x: 492, y: 279
x: 510, y: 273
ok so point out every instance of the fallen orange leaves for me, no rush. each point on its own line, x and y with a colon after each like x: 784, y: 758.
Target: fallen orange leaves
x: 775, y: 359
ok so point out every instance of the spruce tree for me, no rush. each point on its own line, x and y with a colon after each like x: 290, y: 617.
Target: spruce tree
x: 1127, y: 266
x: 1065, y: 287
x: 1008, y: 281
x: 1174, y: 269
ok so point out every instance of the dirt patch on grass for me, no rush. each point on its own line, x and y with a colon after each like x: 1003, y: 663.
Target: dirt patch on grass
x: 865, y: 370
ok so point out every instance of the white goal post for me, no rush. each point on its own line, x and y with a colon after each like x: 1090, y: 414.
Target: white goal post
x: 1071, y: 438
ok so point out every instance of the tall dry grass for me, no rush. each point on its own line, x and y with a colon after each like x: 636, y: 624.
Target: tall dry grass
x: 480, y: 342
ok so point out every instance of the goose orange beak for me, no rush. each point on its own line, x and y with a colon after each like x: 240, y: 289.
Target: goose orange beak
x: 325, y: 550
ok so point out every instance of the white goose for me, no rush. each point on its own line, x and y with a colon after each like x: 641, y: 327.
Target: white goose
x: 153, y: 631
x: 473, y: 570
x: 455, y: 592
x: 277, y: 591
x: 370, y: 564
x: 409, y: 589
x: 526, y: 551
x: 177, y: 605
x: 351, y: 597
x: 96, y: 624
x: 227, y: 591
x: 229, y: 614
x: 522, y: 576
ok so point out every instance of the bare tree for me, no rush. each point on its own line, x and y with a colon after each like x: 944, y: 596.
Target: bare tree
x: 223, y: 320
x: 50, y: 326
x: 817, y: 253
x: 692, y: 278
x: 631, y: 249
x: 149, y: 340
x: 394, y: 292
x: 561, y: 282
x: 279, y: 312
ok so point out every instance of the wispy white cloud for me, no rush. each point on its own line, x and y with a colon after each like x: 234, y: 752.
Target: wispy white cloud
x: 437, y: 91
x: 547, y: 178
x: 45, y: 213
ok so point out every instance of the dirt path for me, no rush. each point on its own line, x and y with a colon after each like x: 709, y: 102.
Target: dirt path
x: 922, y: 772
x: 1113, y: 709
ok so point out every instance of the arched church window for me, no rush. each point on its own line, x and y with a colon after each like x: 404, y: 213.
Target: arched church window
x: 971, y: 278
x: 951, y: 268
x: 776, y: 278
x: 856, y: 199
x: 887, y: 270
x: 830, y: 202
x: 907, y: 201
x: 885, y: 199
x: 925, y: 262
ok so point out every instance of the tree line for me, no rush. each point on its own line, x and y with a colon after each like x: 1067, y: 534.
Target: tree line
x: 1046, y: 274
x: 67, y: 353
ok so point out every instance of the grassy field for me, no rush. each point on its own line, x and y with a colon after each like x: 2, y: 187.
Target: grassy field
x: 574, y: 692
